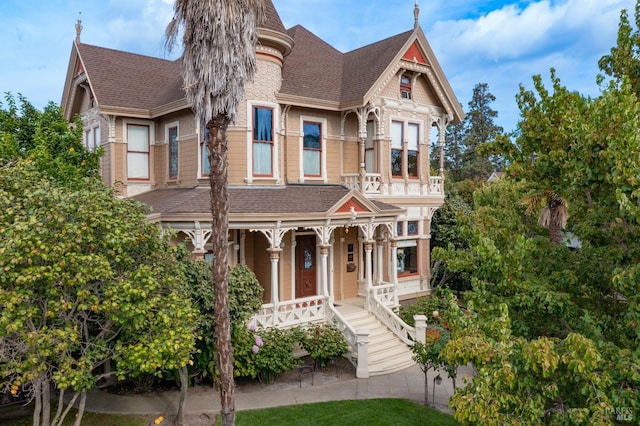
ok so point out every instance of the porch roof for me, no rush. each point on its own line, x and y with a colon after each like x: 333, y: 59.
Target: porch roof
x: 291, y: 200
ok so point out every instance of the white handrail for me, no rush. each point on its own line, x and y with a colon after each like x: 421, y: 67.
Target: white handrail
x: 404, y: 331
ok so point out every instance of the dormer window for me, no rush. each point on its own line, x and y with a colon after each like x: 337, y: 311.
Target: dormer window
x: 405, y: 86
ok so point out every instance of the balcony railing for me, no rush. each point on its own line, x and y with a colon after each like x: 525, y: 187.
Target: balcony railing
x: 373, y: 185
x: 371, y: 182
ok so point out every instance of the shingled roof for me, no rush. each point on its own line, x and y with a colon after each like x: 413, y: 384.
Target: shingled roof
x: 299, y: 199
x: 312, y: 70
x: 122, y: 79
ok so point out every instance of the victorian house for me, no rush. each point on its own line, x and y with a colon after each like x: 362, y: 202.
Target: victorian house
x: 331, y: 190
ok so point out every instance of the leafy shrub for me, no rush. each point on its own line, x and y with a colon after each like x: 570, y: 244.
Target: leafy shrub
x: 263, y: 354
x: 245, y: 299
x: 324, y: 343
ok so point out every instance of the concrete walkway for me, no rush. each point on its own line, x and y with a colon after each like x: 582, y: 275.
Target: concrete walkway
x: 407, y: 384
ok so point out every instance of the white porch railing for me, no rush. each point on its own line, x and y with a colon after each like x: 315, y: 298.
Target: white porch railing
x: 358, y: 340
x: 404, y: 331
x: 290, y: 313
x: 371, y: 182
x: 386, y: 293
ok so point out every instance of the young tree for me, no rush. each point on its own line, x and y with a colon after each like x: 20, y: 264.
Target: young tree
x: 219, y: 39
x: 86, y: 282
x: 480, y: 130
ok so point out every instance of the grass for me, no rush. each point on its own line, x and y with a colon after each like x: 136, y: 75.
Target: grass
x: 347, y: 413
x: 22, y: 416
x: 370, y: 412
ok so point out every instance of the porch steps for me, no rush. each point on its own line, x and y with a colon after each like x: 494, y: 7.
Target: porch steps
x: 387, y: 353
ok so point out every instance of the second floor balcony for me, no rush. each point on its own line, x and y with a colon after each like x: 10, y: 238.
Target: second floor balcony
x: 372, y: 184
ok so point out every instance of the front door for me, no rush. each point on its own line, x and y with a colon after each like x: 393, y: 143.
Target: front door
x: 305, y: 266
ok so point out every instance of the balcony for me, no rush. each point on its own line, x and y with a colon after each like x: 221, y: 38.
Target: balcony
x: 373, y: 185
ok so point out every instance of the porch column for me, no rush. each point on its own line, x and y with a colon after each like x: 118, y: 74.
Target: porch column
x: 324, y: 282
x: 362, y: 170
x: 368, y: 248
x: 394, y: 262
x: 275, y: 260
x: 379, y: 257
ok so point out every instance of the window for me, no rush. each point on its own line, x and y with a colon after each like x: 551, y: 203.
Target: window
x: 413, y: 135
x: 396, y: 148
x: 407, y: 257
x: 89, y: 141
x: 137, y: 151
x: 262, y: 141
x: 204, y: 152
x: 369, y: 149
x: 172, y: 135
x: 412, y: 227
x: 312, y: 148
x: 92, y: 139
x: 405, y: 86
x: 405, y: 145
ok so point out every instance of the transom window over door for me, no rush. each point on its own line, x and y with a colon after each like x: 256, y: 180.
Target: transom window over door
x: 262, y: 141
x: 312, y: 148
x: 137, y: 151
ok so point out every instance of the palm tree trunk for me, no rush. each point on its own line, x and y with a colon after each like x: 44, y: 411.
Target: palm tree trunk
x: 555, y: 222
x: 217, y: 145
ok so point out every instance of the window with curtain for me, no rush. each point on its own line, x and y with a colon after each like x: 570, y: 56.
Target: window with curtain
x: 312, y: 148
x: 262, y: 141
x: 137, y: 151
x: 173, y: 152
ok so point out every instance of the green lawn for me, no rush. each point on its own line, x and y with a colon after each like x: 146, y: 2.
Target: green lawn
x: 346, y: 413
x: 370, y: 412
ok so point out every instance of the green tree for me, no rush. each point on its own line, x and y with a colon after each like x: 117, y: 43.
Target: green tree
x: 219, y: 40
x: 89, y: 289
x: 47, y: 138
x: 624, y: 58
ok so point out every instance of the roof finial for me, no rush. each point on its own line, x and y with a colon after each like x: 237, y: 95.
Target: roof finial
x: 416, y: 13
x: 78, y: 27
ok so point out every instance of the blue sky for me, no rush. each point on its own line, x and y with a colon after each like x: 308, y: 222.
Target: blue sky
x: 501, y: 43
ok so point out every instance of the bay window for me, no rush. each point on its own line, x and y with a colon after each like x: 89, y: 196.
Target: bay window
x: 405, y: 148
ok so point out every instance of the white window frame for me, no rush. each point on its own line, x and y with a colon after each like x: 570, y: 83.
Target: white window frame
x: 405, y: 146
x: 167, y: 127
x: 276, y: 142
x: 323, y: 148
x: 152, y: 138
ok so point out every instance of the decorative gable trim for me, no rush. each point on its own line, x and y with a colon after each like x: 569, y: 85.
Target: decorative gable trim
x: 414, y: 54
x: 352, y: 204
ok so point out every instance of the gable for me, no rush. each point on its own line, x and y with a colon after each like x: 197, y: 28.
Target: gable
x: 352, y: 204
x: 413, y: 54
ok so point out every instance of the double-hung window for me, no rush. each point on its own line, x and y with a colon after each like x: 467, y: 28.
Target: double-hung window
x: 405, y: 86
x: 138, y: 151
x: 405, y: 149
x: 312, y: 148
x: 397, y: 137
x: 262, y: 141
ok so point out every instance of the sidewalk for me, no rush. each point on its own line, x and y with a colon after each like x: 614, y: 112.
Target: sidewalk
x: 407, y: 384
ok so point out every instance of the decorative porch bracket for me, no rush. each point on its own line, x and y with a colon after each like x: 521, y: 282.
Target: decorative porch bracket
x: 199, y: 237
